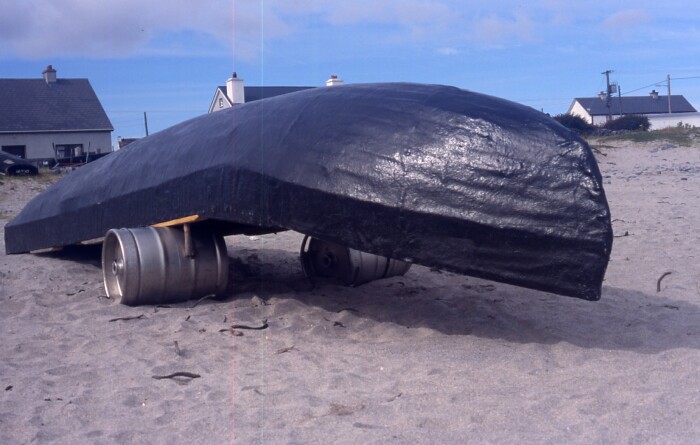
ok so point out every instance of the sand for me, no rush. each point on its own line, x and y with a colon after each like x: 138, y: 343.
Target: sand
x: 430, y: 357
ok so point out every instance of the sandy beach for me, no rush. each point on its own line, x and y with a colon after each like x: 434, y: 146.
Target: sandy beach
x: 427, y: 358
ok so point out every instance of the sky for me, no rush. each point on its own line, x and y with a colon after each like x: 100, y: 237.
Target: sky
x: 166, y: 57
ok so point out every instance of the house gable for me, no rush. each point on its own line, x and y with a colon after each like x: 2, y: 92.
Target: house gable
x: 576, y: 109
x: 220, y: 101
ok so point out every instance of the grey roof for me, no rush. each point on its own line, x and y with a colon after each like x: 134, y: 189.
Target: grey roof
x: 256, y: 93
x: 635, y: 105
x: 123, y: 142
x: 32, y: 105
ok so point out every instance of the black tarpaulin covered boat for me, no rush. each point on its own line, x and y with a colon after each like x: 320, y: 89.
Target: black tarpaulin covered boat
x: 15, y: 166
x: 435, y: 175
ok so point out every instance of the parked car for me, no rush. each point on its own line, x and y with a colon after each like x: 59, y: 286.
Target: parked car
x: 15, y: 166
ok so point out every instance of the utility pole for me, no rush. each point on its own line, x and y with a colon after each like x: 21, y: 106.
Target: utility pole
x: 668, y: 83
x: 145, y: 122
x: 607, y: 92
x: 619, y: 97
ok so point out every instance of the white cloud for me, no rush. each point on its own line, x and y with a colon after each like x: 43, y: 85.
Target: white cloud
x: 120, y: 28
x: 447, y: 51
x: 106, y: 28
x: 408, y: 13
x: 497, y: 31
x: 622, y: 22
x: 401, y: 19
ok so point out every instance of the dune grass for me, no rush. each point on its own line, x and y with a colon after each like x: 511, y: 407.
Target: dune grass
x: 45, y: 176
x: 681, y: 136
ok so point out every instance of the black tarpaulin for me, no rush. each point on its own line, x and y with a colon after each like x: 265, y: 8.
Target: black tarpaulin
x: 432, y: 174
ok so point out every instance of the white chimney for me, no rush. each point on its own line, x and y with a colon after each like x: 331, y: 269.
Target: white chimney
x: 235, y: 90
x: 49, y: 74
x: 654, y: 94
x: 333, y: 81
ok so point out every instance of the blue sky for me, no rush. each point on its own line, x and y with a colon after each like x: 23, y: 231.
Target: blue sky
x: 166, y: 57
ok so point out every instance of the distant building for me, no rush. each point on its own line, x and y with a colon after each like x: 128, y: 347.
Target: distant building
x: 234, y: 92
x: 50, y: 117
x: 123, y: 142
x: 595, y: 110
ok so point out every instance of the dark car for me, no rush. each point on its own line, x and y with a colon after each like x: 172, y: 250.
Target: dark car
x: 16, y: 166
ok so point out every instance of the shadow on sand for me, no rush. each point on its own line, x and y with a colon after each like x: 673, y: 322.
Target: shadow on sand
x: 457, y: 305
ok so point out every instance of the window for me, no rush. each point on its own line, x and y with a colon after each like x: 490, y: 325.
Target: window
x: 17, y: 150
x: 221, y: 102
x: 69, y: 150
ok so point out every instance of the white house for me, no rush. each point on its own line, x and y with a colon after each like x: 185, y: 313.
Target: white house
x: 657, y: 107
x: 236, y: 93
x: 41, y: 119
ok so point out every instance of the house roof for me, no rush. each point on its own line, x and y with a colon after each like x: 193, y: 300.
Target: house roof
x: 33, y: 105
x: 123, y: 142
x: 221, y: 93
x: 256, y: 93
x: 222, y: 88
x: 634, y: 105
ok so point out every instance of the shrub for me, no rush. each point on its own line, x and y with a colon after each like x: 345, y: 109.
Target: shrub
x: 576, y: 123
x: 632, y: 122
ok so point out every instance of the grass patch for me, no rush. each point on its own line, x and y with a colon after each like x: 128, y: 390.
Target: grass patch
x: 678, y: 135
x: 45, y: 176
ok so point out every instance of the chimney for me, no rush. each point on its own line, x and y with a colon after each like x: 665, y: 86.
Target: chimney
x: 654, y: 94
x: 333, y: 81
x: 49, y: 74
x: 235, y: 90
x: 602, y: 96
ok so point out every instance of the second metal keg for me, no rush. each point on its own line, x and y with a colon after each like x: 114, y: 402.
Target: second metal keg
x: 349, y: 266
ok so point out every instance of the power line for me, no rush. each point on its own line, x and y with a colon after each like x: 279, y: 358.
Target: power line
x: 644, y: 87
x: 661, y: 82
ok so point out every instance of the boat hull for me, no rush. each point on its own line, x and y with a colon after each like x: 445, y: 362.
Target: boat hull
x: 429, y: 174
